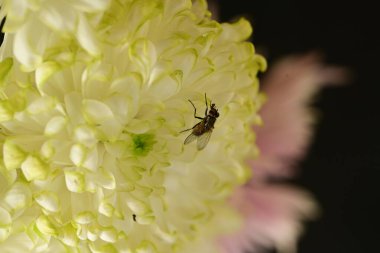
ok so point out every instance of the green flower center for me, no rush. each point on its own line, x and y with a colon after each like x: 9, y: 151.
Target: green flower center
x: 142, y: 144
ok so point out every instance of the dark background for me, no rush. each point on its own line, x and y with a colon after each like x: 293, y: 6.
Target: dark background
x: 342, y: 167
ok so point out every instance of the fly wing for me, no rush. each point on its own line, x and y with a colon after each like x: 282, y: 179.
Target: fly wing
x: 190, y: 138
x: 203, y: 140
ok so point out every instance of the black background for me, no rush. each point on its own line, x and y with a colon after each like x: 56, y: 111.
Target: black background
x: 343, y: 164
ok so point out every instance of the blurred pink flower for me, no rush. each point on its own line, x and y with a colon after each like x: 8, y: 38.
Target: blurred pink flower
x: 273, y: 212
x: 290, y: 86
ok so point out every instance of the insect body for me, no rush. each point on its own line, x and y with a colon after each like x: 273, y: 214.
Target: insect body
x: 202, y: 130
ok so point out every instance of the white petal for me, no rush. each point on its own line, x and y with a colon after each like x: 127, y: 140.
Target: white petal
x: 86, y: 37
x: 109, y: 235
x: 137, y: 126
x: 91, y: 160
x: 77, y: 154
x: 13, y: 155
x: 166, y: 87
x: 73, y: 101
x: 69, y: 236
x: 44, y: 72
x: 96, y: 111
x: 55, y: 125
x: 58, y: 15
x: 143, y: 56
x: 146, y: 247
x: 106, y: 209
x: 34, y: 169
x: 107, y: 180
x: 5, y: 218
x: 137, y: 206
x: 84, y: 217
x: 29, y: 44
x: 49, y: 201
x: 75, y: 181
x: 45, y: 226
x: 6, y: 111
x: 42, y: 104
x: 238, y: 31
x: 48, y: 149
x: 4, y: 233
x: 5, y: 67
x: 145, y: 219
x: 85, y: 135
x: 15, y: 11
x: 91, y: 5
x: 18, y: 197
x: 5, y: 224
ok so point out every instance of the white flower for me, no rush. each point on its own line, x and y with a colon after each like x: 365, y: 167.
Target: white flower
x: 93, y: 97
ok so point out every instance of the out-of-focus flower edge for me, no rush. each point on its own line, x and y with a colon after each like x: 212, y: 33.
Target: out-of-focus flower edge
x: 273, y: 212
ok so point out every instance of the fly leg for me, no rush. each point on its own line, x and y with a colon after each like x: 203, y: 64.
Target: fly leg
x: 195, y: 111
x: 189, y: 128
x: 206, y: 106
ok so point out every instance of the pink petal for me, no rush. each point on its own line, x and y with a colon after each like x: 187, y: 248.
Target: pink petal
x: 287, y: 117
x: 273, y: 216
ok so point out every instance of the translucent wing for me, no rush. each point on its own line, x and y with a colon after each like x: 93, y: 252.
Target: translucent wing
x: 203, y: 140
x: 190, y: 138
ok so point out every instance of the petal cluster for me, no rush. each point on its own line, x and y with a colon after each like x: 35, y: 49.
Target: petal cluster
x: 93, y: 95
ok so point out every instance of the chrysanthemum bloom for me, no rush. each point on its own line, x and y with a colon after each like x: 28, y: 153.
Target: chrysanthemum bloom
x: 273, y: 212
x: 93, y: 97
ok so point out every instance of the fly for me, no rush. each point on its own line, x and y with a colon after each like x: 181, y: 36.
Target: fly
x: 202, y: 130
